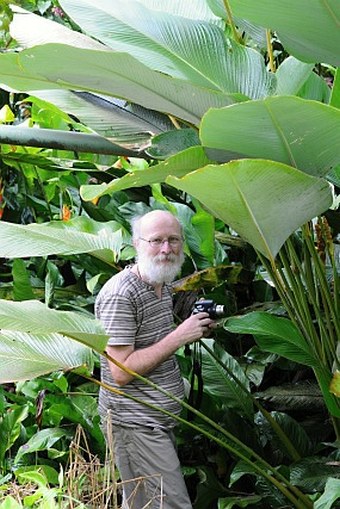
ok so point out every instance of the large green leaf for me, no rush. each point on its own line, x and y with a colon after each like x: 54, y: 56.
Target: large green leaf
x: 263, y: 201
x: 194, y: 50
x: 179, y: 165
x: 24, y: 356
x: 28, y: 29
x: 43, y: 440
x: 34, y: 317
x: 304, y: 134
x: 220, y: 384
x: 308, y: 29
x: 80, y: 235
x: 108, y: 117
x: 36, y: 340
x: 291, y: 75
x: 274, y: 334
x: 279, y: 335
x: 113, y: 118
x: 112, y: 73
x: 330, y: 495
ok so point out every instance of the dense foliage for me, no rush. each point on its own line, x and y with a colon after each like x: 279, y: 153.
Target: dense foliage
x: 197, y: 109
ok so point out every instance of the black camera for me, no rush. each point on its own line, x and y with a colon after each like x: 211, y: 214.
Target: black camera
x: 214, y: 310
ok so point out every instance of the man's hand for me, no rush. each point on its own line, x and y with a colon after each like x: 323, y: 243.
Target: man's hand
x: 195, y: 327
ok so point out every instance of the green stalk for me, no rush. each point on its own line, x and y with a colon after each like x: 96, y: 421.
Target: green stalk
x: 297, y: 498
x: 300, y: 305
x: 231, y: 21
x: 270, y: 51
x: 324, y: 289
x: 326, y: 331
x: 282, y: 288
x: 302, y: 309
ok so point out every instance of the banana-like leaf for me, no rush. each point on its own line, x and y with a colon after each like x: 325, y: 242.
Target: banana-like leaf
x: 109, y: 117
x: 111, y: 73
x: 36, y: 340
x: 218, y: 383
x: 168, y: 144
x: 308, y: 29
x: 313, y: 473
x: 274, y: 334
x: 28, y: 29
x: 315, y: 88
x: 80, y: 235
x: 301, y: 133
x: 18, y: 158
x: 192, y: 9
x: 193, y: 50
x: 279, y: 335
x: 179, y: 165
x: 25, y: 356
x: 34, y: 317
x: 263, y: 201
x: 291, y: 76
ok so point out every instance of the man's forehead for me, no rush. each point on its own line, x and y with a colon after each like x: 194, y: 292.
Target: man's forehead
x: 160, y: 222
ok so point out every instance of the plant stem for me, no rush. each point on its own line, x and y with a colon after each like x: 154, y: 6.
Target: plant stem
x: 270, y: 51
x: 296, y: 497
x: 231, y: 21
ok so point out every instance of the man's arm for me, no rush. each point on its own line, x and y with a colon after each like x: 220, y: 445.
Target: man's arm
x: 144, y: 360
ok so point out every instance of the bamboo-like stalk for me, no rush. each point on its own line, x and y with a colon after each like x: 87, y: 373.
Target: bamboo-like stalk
x: 324, y: 290
x: 231, y: 21
x: 305, y: 293
x: 293, y: 494
x: 270, y: 51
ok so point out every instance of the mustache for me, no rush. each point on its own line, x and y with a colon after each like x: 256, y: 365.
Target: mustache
x: 166, y: 258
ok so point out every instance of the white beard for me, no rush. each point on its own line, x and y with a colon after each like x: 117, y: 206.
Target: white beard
x: 156, y: 272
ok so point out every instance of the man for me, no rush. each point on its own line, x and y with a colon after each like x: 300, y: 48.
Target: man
x: 135, y: 307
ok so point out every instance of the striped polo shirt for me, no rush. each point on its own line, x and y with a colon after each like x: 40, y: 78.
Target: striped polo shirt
x: 132, y: 314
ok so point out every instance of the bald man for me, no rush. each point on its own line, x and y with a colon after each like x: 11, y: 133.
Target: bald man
x: 135, y: 307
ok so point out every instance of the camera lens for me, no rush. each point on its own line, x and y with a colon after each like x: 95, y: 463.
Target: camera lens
x: 219, y: 310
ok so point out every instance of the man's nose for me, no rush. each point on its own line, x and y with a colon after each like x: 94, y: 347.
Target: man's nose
x: 165, y: 246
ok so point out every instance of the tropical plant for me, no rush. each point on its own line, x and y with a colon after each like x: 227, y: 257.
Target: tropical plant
x: 256, y: 144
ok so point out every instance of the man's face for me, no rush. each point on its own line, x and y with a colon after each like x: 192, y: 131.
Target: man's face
x: 160, y: 249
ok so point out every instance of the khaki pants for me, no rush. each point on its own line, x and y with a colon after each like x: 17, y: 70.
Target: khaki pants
x: 149, y: 468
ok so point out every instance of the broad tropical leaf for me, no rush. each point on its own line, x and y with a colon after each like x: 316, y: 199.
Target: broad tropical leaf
x: 313, y: 473
x: 300, y: 133
x: 291, y: 76
x: 279, y: 335
x: 30, y: 30
x: 33, y: 317
x: 330, y: 495
x: 43, y: 440
x: 219, y: 383
x: 112, y: 73
x: 179, y: 165
x: 80, y: 235
x: 115, y: 119
x: 263, y: 201
x: 308, y: 29
x: 25, y: 356
x: 193, y: 50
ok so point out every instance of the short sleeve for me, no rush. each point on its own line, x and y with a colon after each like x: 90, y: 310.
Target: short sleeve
x: 118, y: 316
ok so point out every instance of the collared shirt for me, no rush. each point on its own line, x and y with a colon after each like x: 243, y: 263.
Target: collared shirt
x: 132, y: 314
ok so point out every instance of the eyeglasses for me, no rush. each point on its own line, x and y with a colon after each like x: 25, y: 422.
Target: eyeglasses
x: 172, y: 241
